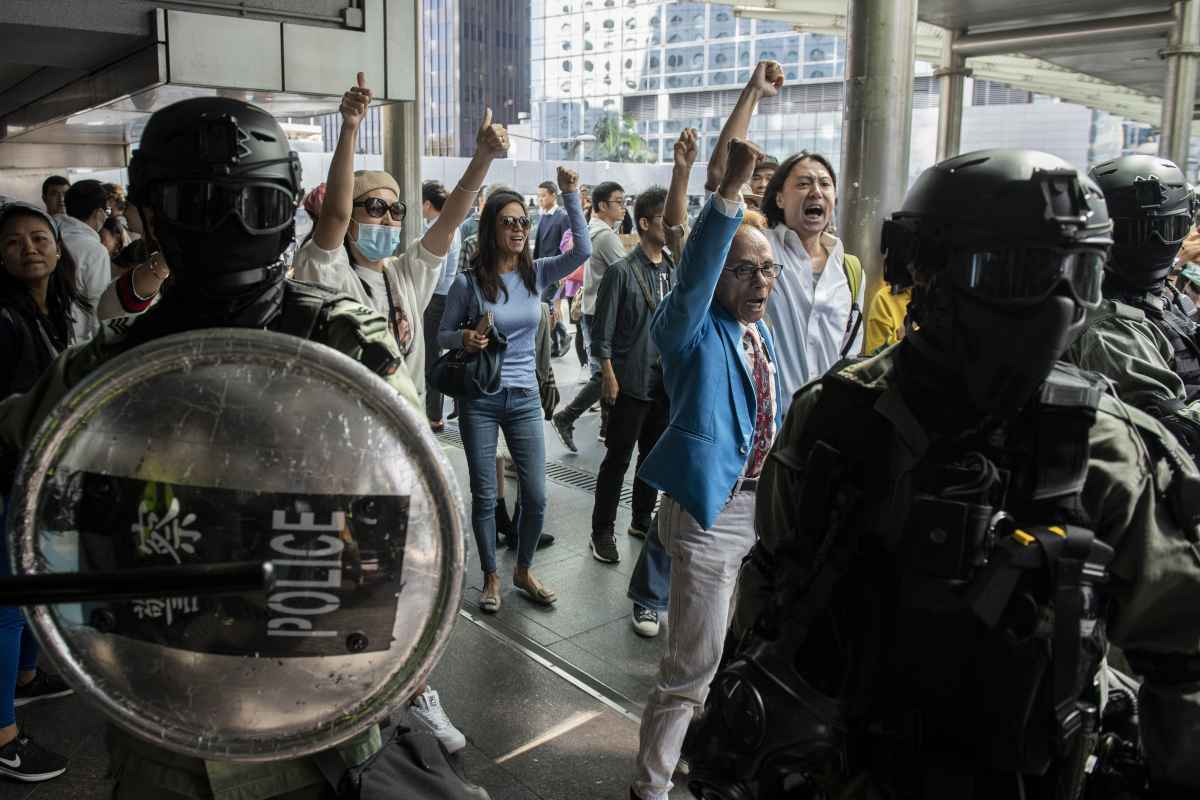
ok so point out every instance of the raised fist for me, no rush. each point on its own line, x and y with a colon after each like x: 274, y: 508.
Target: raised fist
x: 743, y: 158
x: 686, y: 148
x: 355, y: 102
x: 767, y: 78
x: 492, y: 139
x: 568, y: 180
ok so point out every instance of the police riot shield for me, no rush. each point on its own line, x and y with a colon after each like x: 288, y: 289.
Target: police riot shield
x: 220, y: 446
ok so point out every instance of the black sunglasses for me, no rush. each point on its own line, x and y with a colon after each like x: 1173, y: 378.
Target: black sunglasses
x: 376, y: 207
x: 515, y: 222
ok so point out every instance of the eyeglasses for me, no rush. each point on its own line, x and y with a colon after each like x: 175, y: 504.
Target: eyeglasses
x: 1027, y: 276
x: 512, y: 223
x: 202, y: 206
x: 744, y: 269
x: 376, y: 207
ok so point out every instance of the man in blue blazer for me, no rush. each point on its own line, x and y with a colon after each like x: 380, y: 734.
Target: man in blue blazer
x: 718, y: 367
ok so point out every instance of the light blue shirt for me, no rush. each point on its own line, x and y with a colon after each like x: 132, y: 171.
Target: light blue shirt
x: 450, y: 268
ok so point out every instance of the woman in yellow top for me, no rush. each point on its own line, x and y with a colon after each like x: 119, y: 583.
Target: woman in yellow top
x: 885, y: 320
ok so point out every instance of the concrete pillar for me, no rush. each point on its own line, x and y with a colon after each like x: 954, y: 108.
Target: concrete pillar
x: 877, y: 125
x: 403, y: 143
x: 1179, y: 97
x: 951, y: 77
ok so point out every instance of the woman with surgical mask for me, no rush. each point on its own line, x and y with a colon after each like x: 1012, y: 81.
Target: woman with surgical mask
x: 357, y: 246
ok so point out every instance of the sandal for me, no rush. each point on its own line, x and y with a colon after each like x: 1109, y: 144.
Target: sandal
x: 489, y: 602
x: 536, y: 592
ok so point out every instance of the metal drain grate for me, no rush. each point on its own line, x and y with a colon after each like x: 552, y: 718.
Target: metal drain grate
x: 560, y: 473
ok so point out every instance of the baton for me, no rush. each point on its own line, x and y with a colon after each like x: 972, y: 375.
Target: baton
x: 233, y: 577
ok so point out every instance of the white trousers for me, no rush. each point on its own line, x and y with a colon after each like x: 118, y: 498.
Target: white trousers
x: 704, y: 570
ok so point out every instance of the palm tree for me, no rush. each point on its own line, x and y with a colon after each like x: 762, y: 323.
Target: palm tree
x: 617, y: 139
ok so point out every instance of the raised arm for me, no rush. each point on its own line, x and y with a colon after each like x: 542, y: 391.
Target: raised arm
x: 560, y: 266
x: 682, y: 313
x: 766, y: 81
x: 491, y: 142
x: 675, y: 210
x: 339, y: 186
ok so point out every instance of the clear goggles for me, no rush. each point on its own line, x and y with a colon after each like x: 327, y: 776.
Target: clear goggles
x: 1027, y: 276
x: 202, y: 206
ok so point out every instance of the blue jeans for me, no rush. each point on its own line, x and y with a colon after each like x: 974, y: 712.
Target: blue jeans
x: 517, y: 412
x: 18, y: 648
x: 650, y: 584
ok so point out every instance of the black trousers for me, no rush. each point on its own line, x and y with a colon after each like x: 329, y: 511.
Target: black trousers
x: 631, y: 423
x: 430, y: 322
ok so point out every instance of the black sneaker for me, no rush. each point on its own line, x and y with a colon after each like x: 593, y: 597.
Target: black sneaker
x: 566, y: 433
x: 639, y: 528
x: 604, y: 547
x: 645, y: 621
x: 43, y: 687
x: 26, y: 760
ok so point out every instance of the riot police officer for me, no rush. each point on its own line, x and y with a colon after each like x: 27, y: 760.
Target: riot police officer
x: 216, y: 187
x: 1126, y: 343
x: 1152, y: 206
x: 950, y: 529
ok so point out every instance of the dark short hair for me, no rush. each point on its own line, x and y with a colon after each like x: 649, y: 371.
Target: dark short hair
x: 770, y: 162
x: 601, y: 192
x: 434, y: 193
x: 647, y: 205
x: 549, y: 186
x: 52, y: 181
x: 770, y: 208
x: 84, y: 197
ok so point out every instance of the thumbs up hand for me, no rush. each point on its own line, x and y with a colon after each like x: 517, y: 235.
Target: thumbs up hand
x: 355, y: 102
x: 492, y: 139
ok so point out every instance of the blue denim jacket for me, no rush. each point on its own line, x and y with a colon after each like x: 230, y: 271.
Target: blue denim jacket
x: 713, y: 406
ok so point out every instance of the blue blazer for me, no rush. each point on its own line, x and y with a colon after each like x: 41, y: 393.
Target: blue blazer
x: 713, y: 405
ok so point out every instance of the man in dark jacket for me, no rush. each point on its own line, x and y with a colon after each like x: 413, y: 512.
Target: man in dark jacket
x: 630, y: 372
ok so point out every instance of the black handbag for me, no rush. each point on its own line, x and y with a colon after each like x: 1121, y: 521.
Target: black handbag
x: 464, y: 375
x: 412, y: 764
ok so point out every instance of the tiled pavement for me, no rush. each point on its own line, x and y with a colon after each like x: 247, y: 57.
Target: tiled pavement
x: 548, y: 698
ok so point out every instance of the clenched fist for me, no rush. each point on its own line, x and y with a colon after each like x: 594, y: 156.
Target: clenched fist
x: 767, y: 79
x: 568, y: 180
x: 686, y: 148
x: 492, y: 138
x: 743, y: 158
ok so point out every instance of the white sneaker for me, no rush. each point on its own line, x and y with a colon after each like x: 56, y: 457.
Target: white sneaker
x: 428, y: 708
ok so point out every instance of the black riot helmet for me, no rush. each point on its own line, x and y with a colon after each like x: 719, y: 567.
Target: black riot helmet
x: 1152, y: 206
x: 223, y: 186
x: 1006, y: 248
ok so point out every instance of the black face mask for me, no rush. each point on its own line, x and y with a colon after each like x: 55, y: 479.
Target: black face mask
x: 1002, y: 354
x: 1144, y: 266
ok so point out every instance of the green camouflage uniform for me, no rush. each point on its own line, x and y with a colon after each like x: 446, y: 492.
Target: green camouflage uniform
x: 142, y: 770
x: 1134, y: 464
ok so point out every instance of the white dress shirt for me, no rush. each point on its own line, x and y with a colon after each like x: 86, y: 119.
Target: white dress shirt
x: 810, y: 322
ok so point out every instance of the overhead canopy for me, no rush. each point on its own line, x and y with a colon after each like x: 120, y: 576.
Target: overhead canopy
x: 1101, y: 53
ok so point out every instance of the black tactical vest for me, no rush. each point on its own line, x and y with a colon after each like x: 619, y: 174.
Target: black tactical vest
x: 958, y: 649
x: 1166, y: 312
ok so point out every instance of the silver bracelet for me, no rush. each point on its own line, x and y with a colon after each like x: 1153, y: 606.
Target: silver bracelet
x: 476, y: 190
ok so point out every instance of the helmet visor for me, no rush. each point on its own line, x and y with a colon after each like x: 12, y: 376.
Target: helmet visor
x: 1152, y: 230
x: 1027, y: 276
x: 202, y: 206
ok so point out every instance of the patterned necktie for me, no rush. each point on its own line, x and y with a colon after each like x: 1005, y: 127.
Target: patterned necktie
x: 764, y: 421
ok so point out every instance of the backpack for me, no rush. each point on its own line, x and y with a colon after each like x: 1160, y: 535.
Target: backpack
x: 854, y: 276
x: 411, y: 764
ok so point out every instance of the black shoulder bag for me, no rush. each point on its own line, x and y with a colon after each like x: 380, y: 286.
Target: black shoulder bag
x: 464, y: 375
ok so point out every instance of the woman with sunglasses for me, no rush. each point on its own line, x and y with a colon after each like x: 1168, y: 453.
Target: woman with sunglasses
x: 511, y: 284
x: 355, y: 246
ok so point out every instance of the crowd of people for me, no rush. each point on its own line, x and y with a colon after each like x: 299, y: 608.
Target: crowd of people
x: 727, y: 349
